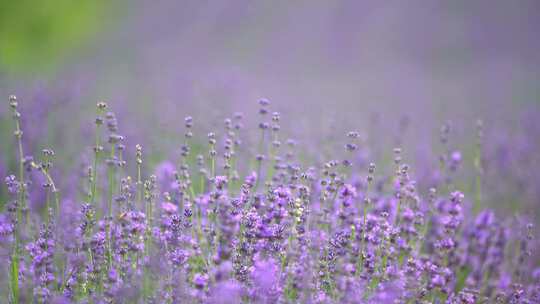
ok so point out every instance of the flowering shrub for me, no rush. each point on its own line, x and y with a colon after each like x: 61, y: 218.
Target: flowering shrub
x: 259, y: 224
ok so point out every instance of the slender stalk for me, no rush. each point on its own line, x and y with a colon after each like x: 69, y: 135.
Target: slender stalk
x: 212, y: 152
x: 111, y: 181
x: 109, y: 205
x: 14, y: 271
x: 50, y: 184
x: 478, y: 166
x: 364, y: 230
x: 97, y: 149
x: 139, y: 165
x: 274, y: 145
x: 21, y: 171
x: 259, y: 161
x: 18, y: 135
x: 149, y: 198
x: 14, y: 274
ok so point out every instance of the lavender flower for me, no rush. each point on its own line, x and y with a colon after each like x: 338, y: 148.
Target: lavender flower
x: 230, y: 223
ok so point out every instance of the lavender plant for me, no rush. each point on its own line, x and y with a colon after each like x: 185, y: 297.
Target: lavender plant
x: 257, y: 224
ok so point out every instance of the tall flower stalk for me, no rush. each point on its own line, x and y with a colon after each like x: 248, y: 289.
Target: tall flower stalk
x: 21, y: 203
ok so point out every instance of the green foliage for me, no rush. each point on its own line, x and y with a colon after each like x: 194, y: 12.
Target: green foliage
x: 462, y: 275
x: 39, y: 34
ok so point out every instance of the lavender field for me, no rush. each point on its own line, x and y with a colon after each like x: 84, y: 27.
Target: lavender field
x: 270, y: 152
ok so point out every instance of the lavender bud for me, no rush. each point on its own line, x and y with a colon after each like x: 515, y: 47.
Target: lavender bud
x: 264, y: 102
x: 188, y: 122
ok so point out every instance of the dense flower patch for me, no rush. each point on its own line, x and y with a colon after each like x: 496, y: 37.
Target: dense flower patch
x: 258, y: 224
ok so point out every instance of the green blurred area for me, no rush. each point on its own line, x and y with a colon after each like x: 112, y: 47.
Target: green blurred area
x: 38, y: 35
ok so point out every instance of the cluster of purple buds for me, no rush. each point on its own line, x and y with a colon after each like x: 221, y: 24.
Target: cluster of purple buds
x: 228, y: 222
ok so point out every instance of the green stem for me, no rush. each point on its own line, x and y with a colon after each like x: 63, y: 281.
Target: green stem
x: 272, y: 153
x: 22, y: 192
x: 364, y: 229
x: 478, y: 166
x: 96, y: 162
x: 139, y: 184
x: 259, y: 162
x: 111, y: 183
x: 14, y: 274
x: 109, y: 207
x: 14, y: 271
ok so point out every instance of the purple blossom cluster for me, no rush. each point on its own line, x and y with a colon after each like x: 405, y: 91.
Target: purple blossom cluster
x: 230, y: 222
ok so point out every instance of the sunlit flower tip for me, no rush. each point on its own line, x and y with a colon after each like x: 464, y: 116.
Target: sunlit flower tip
x: 13, y: 101
x: 102, y: 105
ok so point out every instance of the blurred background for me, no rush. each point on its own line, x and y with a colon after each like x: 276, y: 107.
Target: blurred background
x: 394, y: 71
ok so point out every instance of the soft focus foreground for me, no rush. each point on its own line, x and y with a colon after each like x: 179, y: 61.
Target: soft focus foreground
x: 244, y: 214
